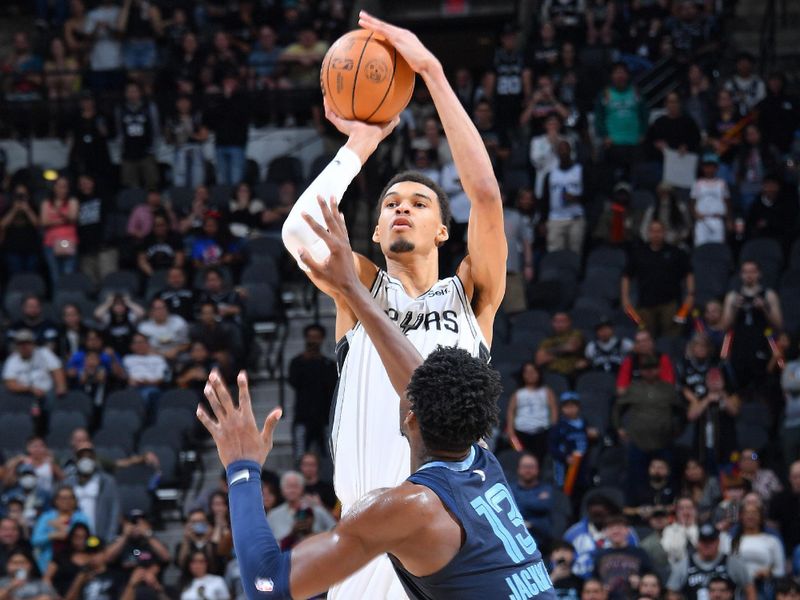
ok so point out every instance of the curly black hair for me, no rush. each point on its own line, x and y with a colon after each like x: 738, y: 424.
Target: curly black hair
x: 454, y: 396
x: 417, y: 177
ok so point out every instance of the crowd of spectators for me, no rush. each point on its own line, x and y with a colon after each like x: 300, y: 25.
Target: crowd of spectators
x: 652, y: 437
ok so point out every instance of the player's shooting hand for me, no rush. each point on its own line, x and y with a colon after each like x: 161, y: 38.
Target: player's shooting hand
x: 337, y: 271
x: 234, y: 428
x: 363, y: 138
x: 418, y: 57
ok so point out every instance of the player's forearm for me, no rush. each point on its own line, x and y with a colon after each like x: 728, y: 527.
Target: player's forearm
x: 397, y: 353
x: 264, y: 568
x: 469, y: 152
x: 332, y: 181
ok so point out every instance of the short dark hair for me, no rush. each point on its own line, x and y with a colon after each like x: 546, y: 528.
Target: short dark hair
x: 417, y: 177
x: 724, y: 580
x: 454, y: 396
x: 315, y: 327
x: 562, y: 545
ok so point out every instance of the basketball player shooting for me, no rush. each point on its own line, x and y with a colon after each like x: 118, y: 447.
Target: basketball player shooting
x: 452, y: 529
x: 368, y: 450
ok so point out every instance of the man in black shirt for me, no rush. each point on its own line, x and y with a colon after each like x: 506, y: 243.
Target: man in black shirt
x: 228, y: 301
x: 97, y: 258
x: 229, y: 120
x: 179, y: 297
x: 659, y: 271
x: 160, y: 250
x: 138, y: 128
x: 90, y: 133
x: 313, y: 377
x: 785, y: 508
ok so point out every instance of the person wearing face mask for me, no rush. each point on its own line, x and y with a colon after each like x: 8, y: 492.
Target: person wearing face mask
x: 96, y: 492
x: 196, y: 538
x: 313, y: 377
x: 33, y: 498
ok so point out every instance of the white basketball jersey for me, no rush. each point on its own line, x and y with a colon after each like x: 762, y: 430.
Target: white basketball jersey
x: 368, y: 450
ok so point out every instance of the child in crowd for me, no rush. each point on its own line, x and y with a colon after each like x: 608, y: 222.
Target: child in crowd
x: 570, y: 437
x: 710, y: 204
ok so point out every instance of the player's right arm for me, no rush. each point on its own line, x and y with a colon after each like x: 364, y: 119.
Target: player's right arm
x: 333, y: 181
x: 408, y: 521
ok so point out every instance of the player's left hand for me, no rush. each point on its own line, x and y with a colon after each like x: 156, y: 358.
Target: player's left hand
x: 418, y: 57
x: 337, y: 271
x: 234, y: 428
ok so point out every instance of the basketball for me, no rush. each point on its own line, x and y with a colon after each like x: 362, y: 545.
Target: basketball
x: 364, y: 78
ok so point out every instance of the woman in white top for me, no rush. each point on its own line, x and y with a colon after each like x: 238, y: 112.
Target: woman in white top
x: 710, y: 204
x: 678, y: 537
x: 532, y: 411
x: 762, y: 553
x: 199, y: 584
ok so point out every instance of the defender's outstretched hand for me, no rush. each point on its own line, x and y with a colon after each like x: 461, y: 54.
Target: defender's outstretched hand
x: 337, y: 271
x: 418, y: 57
x: 234, y: 428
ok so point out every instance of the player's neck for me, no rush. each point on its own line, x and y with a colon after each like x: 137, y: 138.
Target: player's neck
x: 425, y: 456
x: 416, y: 272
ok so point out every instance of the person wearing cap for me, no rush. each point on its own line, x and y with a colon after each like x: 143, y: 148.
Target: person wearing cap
x: 569, y: 436
x: 618, y: 224
x: 606, y: 351
x: 661, y: 272
x: 97, y: 494
x: 587, y: 535
x: 646, y: 418
x: 136, y: 546
x: 689, y: 579
x: 620, y: 564
x: 35, y: 500
x: 710, y: 204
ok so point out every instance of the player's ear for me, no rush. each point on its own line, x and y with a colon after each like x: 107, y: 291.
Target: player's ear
x: 410, y: 420
x: 442, y: 235
x: 376, y: 235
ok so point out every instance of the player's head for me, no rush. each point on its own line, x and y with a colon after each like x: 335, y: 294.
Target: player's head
x: 414, y: 215
x: 453, y: 400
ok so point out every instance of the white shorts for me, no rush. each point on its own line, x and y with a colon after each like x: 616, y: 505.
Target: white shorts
x: 375, y: 581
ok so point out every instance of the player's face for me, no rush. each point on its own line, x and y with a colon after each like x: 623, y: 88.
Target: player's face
x: 409, y: 220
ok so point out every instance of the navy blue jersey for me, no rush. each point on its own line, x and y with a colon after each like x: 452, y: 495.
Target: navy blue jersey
x: 499, y: 558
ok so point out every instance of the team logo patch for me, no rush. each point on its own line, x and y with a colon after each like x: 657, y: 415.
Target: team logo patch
x: 376, y: 70
x: 264, y: 585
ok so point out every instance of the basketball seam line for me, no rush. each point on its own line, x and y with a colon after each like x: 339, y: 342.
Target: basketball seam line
x: 355, y: 79
x: 328, y: 82
x: 388, y: 87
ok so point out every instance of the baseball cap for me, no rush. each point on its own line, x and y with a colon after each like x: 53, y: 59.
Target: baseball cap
x: 623, y: 186
x: 570, y: 396
x: 708, y: 533
x: 135, y: 514
x: 24, y: 335
x: 710, y: 158
x: 24, y: 469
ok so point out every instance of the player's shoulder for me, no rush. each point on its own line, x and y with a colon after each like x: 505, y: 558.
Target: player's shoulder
x: 366, y: 269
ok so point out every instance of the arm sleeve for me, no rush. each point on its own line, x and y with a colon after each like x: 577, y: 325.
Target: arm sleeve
x: 264, y: 568
x: 333, y: 181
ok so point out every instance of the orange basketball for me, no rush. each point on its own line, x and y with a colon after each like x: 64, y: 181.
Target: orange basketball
x: 365, y: 79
